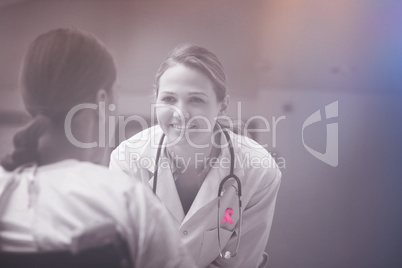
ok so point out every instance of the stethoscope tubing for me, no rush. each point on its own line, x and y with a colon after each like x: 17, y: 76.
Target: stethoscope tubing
x: 231, y: 175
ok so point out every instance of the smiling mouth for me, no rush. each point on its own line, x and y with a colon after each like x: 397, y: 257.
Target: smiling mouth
x: 181, y: 127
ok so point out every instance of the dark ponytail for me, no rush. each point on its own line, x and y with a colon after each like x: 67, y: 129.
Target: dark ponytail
x: 26, y: 144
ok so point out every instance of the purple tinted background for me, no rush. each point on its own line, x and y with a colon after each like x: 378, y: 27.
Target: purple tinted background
x: 283, y: 58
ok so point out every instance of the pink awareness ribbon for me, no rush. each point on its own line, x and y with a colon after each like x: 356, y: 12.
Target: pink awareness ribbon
x: 228, y: 213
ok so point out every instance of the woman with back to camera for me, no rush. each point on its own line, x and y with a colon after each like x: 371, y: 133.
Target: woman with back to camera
x: 190, y: 158
x: 49, y: 189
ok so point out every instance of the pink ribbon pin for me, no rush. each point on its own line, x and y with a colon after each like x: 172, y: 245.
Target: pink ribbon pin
x: 228, y: 213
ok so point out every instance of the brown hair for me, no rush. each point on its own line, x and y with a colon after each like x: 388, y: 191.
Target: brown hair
x: 62, y: 68
x: 199, y: 58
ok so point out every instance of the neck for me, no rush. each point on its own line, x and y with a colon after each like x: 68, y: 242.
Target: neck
x: 54, y: 147
x: 189, y: 157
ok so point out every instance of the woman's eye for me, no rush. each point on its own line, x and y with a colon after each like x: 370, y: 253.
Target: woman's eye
x: 168, y: 99
x: 197, y: 100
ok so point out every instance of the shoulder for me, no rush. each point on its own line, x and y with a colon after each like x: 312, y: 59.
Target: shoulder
x: 245, y: 144
x: 143, y: 136
x: 132, y: 150
x: 86, y: 176
x: 140, y: 141
x: 254, y: 159
x: 5, y: 178
x: 3, y: 172
x: 245, y: 147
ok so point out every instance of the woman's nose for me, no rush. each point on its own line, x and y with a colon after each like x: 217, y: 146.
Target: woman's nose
x: 181, y: 111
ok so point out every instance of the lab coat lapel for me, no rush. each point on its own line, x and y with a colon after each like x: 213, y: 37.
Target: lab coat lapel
x: 167, y: 192
x: 209, y: 189
x: 207, y: 193
x: 166, y: 186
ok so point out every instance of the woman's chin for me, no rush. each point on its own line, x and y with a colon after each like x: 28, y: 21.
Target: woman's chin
x: 175, y: 140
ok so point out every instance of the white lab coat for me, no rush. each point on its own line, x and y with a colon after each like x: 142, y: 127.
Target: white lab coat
x: 198, y: 229
x: 42, y: 210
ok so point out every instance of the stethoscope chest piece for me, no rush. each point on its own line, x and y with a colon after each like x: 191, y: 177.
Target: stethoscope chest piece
x: 227, y: 255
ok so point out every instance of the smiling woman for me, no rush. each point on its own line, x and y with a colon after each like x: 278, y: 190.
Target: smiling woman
x: 192, y: 94
x: 190, y: 99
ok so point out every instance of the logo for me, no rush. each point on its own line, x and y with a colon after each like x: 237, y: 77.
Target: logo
x: 330, y: 156
x: 228, y: 214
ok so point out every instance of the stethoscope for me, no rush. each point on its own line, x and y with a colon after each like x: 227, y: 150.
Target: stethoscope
x: 227, y: 254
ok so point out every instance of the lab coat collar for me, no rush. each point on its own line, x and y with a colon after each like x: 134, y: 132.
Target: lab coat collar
x: 148, y: 154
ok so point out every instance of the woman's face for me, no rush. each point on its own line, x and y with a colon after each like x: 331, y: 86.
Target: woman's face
x: 187, y: 106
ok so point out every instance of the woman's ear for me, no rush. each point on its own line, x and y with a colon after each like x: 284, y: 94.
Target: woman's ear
x: 224, y: 105
x: 102, y: 100
x: 101, y: 96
